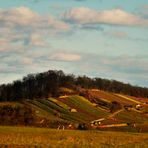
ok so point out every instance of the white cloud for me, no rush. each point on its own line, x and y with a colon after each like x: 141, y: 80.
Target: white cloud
x: 19, y: 16
x: 24, y: 16
x: 65, y: 57
x: 23, y: 27
x: 83, y: 15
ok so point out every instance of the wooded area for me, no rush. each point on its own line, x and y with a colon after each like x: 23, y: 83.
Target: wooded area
x: 48, y: 84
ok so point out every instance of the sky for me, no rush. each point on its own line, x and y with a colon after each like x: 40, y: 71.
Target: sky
x: 97, y: 38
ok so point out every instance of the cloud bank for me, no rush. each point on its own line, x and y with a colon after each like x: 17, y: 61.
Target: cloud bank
x: 21, y: 26
x: 83, y: 15
x: 24, y: 48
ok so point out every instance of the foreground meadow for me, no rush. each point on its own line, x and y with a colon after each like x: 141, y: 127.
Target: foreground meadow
x: 52, y: 138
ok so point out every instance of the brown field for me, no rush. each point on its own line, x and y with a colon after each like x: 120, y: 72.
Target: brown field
x: 12, y: 137
x: 111, y: 97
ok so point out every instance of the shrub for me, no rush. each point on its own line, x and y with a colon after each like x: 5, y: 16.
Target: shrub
x: 115, y: 106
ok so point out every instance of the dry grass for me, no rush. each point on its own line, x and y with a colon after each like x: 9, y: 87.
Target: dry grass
x: 110, y: 97
x: 42, y: 137
x: 127, y: 98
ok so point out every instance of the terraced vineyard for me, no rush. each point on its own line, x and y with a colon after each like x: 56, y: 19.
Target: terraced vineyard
x: 112, y: 97
x: 85, y: 107
x: 75, y: 109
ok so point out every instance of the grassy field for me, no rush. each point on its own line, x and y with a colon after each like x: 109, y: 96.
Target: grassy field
x: 43, y: 137
x: 84, y: 107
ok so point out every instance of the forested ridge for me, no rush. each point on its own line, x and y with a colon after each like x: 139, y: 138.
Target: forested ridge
x: 48, y: 84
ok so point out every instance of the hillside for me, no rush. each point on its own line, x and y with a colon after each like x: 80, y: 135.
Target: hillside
x: 53, y: 99
x: 75, y: 111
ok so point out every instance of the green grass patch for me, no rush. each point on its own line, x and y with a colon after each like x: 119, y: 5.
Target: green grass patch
x: 59, y: 103
x: 82, y: 104
x: 42, y: 106
x: 131, y: 116
x: 40, y: 111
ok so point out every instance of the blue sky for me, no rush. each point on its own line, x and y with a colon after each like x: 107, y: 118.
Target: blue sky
x: 98, y: 38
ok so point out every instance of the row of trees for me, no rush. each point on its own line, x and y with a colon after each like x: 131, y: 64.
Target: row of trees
x: 43, y: 85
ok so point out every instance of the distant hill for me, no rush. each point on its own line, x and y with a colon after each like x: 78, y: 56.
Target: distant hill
x: 49, y: 84
x: 56, y: 100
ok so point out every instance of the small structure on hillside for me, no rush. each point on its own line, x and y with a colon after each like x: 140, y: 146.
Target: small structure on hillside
x: 138, y: 106
x: 97, y: 122
x: 71, y: 126
x: 72, y: 110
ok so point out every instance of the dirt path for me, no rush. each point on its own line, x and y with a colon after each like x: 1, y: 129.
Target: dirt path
x: 109, y: 117
x: 115, y: 113
x: 114, y: 125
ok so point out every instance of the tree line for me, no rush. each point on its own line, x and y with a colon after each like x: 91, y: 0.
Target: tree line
x: 48, y: 84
